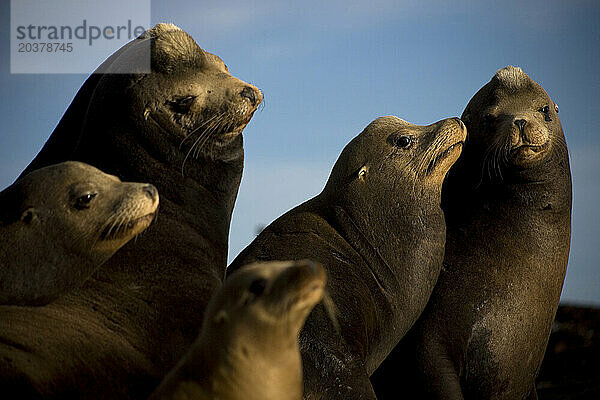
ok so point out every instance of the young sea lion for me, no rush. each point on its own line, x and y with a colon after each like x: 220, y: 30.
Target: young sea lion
x: 248, y: 346
x: 508, y: 210
x: 178, y: 127
x: 60, y: 223
x: 379, y: 232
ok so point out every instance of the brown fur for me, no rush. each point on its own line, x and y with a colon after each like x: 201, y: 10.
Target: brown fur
x: 378, y: 230
x: 248, y: 347
x: 179, y: 128
x: 60, y: 223
x: 508, y: 211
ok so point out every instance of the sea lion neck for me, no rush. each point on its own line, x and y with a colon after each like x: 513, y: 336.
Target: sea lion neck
x: 540, y: 187
x: 415, y: 205
x: 412, y: 233
x: 245, y: 359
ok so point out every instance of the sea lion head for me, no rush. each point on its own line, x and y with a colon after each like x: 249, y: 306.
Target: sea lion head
x: 65, y: 220
x: 393, y: 158
x: 513, y: 123
x: 268, y: 297
x: 248, y: 347
x: 87, y: 206
x: 254, y: 322
x: 186, y: 106
x: 191, y: 94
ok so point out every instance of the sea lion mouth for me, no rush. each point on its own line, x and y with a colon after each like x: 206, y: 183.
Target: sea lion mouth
x: 444, y: 154
x: 235, y: 130
x: 127, y: 228
x: 528, y: 149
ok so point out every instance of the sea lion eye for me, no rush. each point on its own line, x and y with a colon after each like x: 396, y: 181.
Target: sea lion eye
x: 258, y: 286
x: 545, y: 110
x: 556, y: 107
x: 403, y: 141
x: 84, y: 201
x: 182, y: 105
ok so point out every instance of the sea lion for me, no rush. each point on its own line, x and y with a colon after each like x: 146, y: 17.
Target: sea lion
x: 178, y: 127
x: 378, y: 229
x: 248, y: 346
x: 60, y: 223
x: 508, y: 210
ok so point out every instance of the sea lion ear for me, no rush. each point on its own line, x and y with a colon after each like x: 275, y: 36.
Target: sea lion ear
x: 556, y: 107
x: 362, y: 172
x: 29, y: 216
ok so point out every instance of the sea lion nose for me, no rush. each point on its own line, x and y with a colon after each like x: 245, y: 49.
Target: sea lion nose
x: 521, y: 124
x: 250, y: 94
x: 150, y: 191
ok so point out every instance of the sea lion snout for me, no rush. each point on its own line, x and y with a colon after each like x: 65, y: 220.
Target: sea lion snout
x: 251, y: 94
x: 528, y: 135
x: 151, y: 192
x: 447, y: 141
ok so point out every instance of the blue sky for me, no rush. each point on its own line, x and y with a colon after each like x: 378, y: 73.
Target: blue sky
x: 327, y: 70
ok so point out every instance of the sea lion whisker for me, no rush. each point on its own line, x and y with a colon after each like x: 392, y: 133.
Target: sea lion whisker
x: 114, y: 230
x: 192, y: 149
x: 215, y: 128
x: 189, y: 135
x: 112, y: 220
x: 488, y: 163
x: 119, y: 225
x: 203, y: 139
x: 204, y: 136
x: 501, y: 155
x: 498, y: 156
x: 102, y: 229
x: 205, y: 133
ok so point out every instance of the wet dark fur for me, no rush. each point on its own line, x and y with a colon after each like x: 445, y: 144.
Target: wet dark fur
x: 484, y: 331
x: 120, y: 333
x: 378, y: 230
